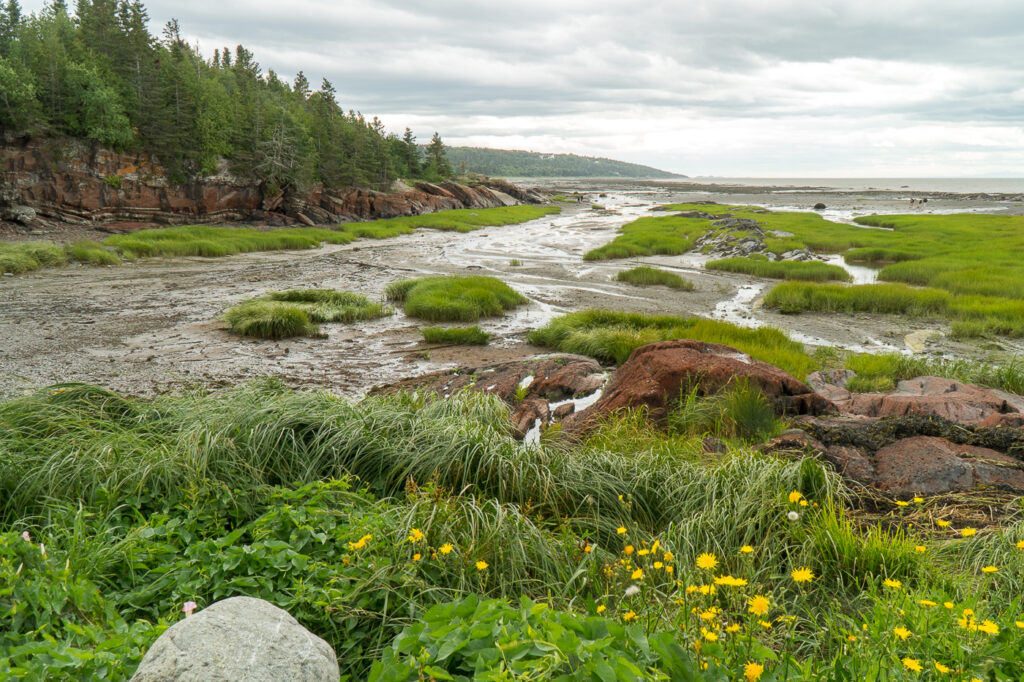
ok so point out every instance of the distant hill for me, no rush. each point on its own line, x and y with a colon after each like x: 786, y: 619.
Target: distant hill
x: 508, y: 163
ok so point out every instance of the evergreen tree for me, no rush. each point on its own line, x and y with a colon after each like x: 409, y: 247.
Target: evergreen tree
x: 437, y: 160
x: 411, y: 154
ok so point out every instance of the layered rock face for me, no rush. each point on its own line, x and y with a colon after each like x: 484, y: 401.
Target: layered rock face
x: 67, y: 181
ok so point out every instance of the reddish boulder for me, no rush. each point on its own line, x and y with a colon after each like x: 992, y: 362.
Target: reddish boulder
x: 932, y: 396
x: 528, y: 414
x: 925, y: 465
x: 656, y: 375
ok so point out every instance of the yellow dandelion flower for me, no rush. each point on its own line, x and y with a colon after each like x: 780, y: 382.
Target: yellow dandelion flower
x: 948, y: 604
x: 895, y: 584
x: 926, y: 602
x: 967, y: 613
x: 802, y: 575
x: 415, y: 535
x: 658, y: 564
x: 989, y: 627
x: 1020, y: 545
x: 989, y: 569
x: 902, y: 503
x: 968, y: 532
x: 795, y: 496
x: 752, y: 671
x: 628, y: 549
x: 643, y: 552
x: 621, y: 530
x: 746, y: 549
x: 707, y: 589
x: 733, y: 628
x: 759, y: 605
x: 669, y: 556
x: 669, y: 569
x: 629, y: 615
x: 765, y: 624
x: 707, y: 561
x: 1019, y: 623
x: 918, y: 500
x: 920, y: 548
x: 710, y: 614
x: 690, y: 589
x: 656, y: 545
x: 481, y: 565
x: 730, y: 581
x: 912, y: 664
x: 709, y: 635
x: 637, y: 574
x: 446, y: 548
x: 851, y: 638
x: 902, y: 632
x: 942, y: 523
x: 942, y: 668
x: 588, y: 549
x: 602, y: 608
x: 417, y: 556
x: 803, y: 503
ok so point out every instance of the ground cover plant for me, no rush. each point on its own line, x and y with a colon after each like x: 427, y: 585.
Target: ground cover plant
x: 415, y: 534
x: 299, y: 312
x: 645, y: 276
x: 467, y: 336
x: 813, y: 271
x: 454, y: 298
x: 610, y: 336
x: 458, y: 220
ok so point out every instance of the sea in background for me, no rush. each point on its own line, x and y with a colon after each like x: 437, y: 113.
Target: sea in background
x: 956, y: 185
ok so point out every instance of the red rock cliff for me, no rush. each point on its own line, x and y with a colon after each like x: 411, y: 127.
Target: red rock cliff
x: 46, y: 180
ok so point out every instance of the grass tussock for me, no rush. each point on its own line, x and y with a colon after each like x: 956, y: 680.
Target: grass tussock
x: 215, y: 242
x: 645, y: 276
x: 299, y: 312
x: 812, y: 271
x: 458, y: 220
x: 611, y: 336
x: 463, y: 336
x: 19, y: 257
x: 651, y: 235
x: 454, y: 298
x: 91, y: 252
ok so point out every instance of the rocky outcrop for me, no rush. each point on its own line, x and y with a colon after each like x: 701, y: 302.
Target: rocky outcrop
x: 52, y: 180
x: 731, y: 237
x: 933, y: 396
x: 656, y: 375
x: 240, y: 638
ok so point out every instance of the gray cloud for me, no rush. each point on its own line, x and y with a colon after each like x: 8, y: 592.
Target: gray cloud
x: 706, y: 86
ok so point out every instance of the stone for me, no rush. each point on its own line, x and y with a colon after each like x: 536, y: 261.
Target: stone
x: 820, y: 206
x: 925, y: 465
x: 563, y: 411
x: 656, y: 375
x: 528, y: 414
x: 934, y: 396
x: 240, y: 638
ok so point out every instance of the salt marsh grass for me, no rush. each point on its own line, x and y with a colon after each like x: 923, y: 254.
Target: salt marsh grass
x: 454, y: 298
x: 645, y: 276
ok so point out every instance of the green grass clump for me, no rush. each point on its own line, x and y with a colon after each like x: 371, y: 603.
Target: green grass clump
x: 794, y: 297
x: 811, y: 271
x: 738, y: 412
x: 458, y: 220
x: 213, y: 242
x: 651, y: 235
x: 466, y: 336
x: 611, y: 336
x: 91, y: 252
x: 298, y: 312
x: 454, y: 298
x: 645, y: 276
x: 19, y: 257
x: 883, y: 371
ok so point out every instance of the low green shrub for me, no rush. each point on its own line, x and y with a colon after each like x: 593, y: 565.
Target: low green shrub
x: 454, y: 298
x: 467, y: 336
x: 645, y: 276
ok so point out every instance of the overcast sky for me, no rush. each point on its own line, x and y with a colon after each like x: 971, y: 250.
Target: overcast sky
x: 756, y: 88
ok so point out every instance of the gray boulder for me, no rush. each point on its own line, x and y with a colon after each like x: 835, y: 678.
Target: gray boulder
x: 240, y: 638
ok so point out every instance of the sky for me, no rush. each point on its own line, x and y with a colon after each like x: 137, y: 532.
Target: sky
x: 734, y: 88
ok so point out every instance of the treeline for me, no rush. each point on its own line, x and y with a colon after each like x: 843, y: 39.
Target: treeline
x: 100, y: 75
x: 507, y: 163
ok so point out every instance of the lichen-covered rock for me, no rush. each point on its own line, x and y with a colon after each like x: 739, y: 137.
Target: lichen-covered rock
x: 239, y: 639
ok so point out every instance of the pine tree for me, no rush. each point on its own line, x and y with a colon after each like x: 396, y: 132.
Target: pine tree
x: 437, y: 160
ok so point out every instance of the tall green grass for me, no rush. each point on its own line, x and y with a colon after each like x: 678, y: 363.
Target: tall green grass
x: 19, y: 257
x: 651, y: 235
x: 611, y: 336
x: 645, y: 276
x: 203, y: 240
x: 298, y: 312
x: 454, y: 298
x: 812, y: 271
x: 458, y: 220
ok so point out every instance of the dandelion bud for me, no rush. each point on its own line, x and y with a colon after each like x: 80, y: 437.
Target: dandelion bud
x: 792, y: 516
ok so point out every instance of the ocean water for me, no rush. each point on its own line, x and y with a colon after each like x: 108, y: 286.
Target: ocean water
x: 798, y: 185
